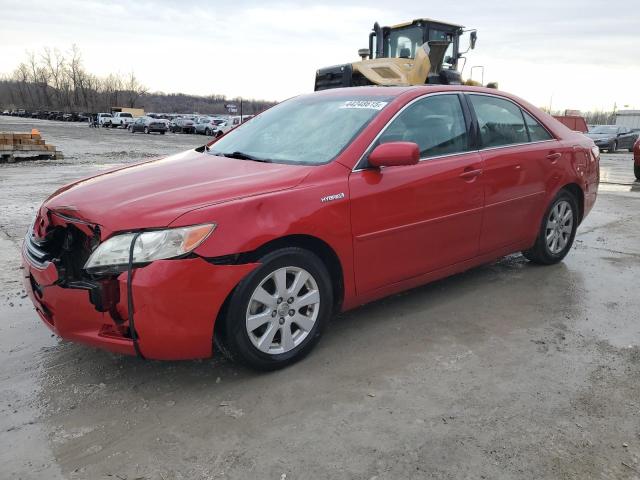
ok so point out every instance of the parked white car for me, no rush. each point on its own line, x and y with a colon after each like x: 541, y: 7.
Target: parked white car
x: 121, y: 119
x: 104, y: 119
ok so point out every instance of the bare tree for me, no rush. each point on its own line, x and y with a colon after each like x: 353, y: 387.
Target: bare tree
x: 134, y: 90
x: 53, y: 81
x: 55, y: 64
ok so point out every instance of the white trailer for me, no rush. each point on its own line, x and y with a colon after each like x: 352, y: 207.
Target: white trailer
x: 628, y: 118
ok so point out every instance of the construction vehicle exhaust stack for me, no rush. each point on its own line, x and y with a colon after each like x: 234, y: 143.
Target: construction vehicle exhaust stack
x: 412, y: 53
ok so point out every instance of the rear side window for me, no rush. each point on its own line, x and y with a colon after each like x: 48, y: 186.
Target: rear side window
x: 537, y: 133
x: 500, y: 121
x: 436, y: 123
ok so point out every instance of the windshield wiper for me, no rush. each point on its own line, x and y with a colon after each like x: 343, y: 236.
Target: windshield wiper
x: 241, y: 156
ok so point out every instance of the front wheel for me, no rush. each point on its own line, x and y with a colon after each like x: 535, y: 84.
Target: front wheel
x: 146, y: 130
x: 614, y: 147
x: 277, y: 314
x: 557, y: 231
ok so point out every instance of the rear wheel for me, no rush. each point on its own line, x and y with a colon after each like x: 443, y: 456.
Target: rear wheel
x: 614, y: 147
x: 146, y: 130
x: 557, y: 231
x: 277, y: 314
x: 207, y: 131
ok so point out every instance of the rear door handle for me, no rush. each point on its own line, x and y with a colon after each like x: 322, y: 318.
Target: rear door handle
x: 470, y: 173
x: 554, y: 156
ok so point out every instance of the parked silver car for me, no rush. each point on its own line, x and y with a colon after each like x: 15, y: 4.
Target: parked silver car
x: 209, y: 125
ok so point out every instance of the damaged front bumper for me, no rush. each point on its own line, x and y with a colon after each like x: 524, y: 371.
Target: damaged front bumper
x: 176, y: 303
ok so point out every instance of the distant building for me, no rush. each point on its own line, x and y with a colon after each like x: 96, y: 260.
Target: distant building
x: 574, y: 122
x: 135, y: 112
x: 628, y: 118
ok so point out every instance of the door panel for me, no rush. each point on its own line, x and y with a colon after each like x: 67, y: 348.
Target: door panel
x: 518, y: 153
x: 411, y: 220
x: 515, y: 179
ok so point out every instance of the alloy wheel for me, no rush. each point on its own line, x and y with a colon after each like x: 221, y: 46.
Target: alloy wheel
x: 282, y: 310
x: 559, y: 227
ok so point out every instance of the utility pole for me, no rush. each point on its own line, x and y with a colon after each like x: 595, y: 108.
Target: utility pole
x: 481, y: 67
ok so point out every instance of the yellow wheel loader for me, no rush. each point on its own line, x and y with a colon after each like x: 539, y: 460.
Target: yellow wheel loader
x: 412, y: 53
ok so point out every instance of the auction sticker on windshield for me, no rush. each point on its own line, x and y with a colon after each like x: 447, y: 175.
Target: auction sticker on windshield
x: 371, y: 104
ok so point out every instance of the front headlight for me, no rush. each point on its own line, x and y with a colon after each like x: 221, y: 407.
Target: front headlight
x: 150, y: 246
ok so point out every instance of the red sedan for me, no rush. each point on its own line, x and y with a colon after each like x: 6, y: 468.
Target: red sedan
x: 320, y: 204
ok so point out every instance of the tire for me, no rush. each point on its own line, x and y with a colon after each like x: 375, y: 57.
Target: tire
x: 543, y: 251
x: 132, y: 130
x: 614, y: 147
x: 161, y: 132
x: 219, y: 134
x: 242, y: 344
x: 636, y: 171
x: 146, y: 130
x: 207, y: 132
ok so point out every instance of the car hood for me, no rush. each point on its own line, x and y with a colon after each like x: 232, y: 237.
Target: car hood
x: 154, y: 193
x: 600, y: 136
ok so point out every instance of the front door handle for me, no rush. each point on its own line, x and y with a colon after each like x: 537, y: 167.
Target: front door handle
x: 470, y: 173
x: 554, y: 156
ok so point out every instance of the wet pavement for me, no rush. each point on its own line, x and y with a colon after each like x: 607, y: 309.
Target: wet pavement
x: 506, y: 371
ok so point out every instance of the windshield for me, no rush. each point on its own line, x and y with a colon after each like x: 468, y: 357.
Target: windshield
x: 604, y: 129
x: 308, y: 130
x: 403, y: 43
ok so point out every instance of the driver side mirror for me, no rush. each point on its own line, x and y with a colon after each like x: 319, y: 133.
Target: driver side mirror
x: 395, y: 154
x: 473, y: 38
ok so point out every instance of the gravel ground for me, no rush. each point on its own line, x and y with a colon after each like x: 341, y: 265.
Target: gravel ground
x: 506, y: 371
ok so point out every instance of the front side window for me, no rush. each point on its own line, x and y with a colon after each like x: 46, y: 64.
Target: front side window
x: 309, y: 130
x: 500, y: 121
x: 436, y: 123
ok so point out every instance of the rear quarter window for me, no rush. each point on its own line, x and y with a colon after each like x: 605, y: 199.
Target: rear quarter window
x: 537, y: 133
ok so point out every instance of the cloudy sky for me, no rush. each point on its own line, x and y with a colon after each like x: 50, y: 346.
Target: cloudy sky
x: 582, y: 54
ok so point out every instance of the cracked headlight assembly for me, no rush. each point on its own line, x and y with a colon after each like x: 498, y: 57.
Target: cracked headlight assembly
x: 113, y: 254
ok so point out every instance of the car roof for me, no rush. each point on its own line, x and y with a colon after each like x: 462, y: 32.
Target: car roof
x: 408, y: 93
x: 414, y: 91
x: 374, y: 90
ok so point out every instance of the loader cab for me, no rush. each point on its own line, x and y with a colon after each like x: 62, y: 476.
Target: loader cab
x: 403, y: 41
x: 431, y: 49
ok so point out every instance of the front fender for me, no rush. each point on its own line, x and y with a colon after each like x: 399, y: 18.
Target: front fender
x: 319, y: 207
